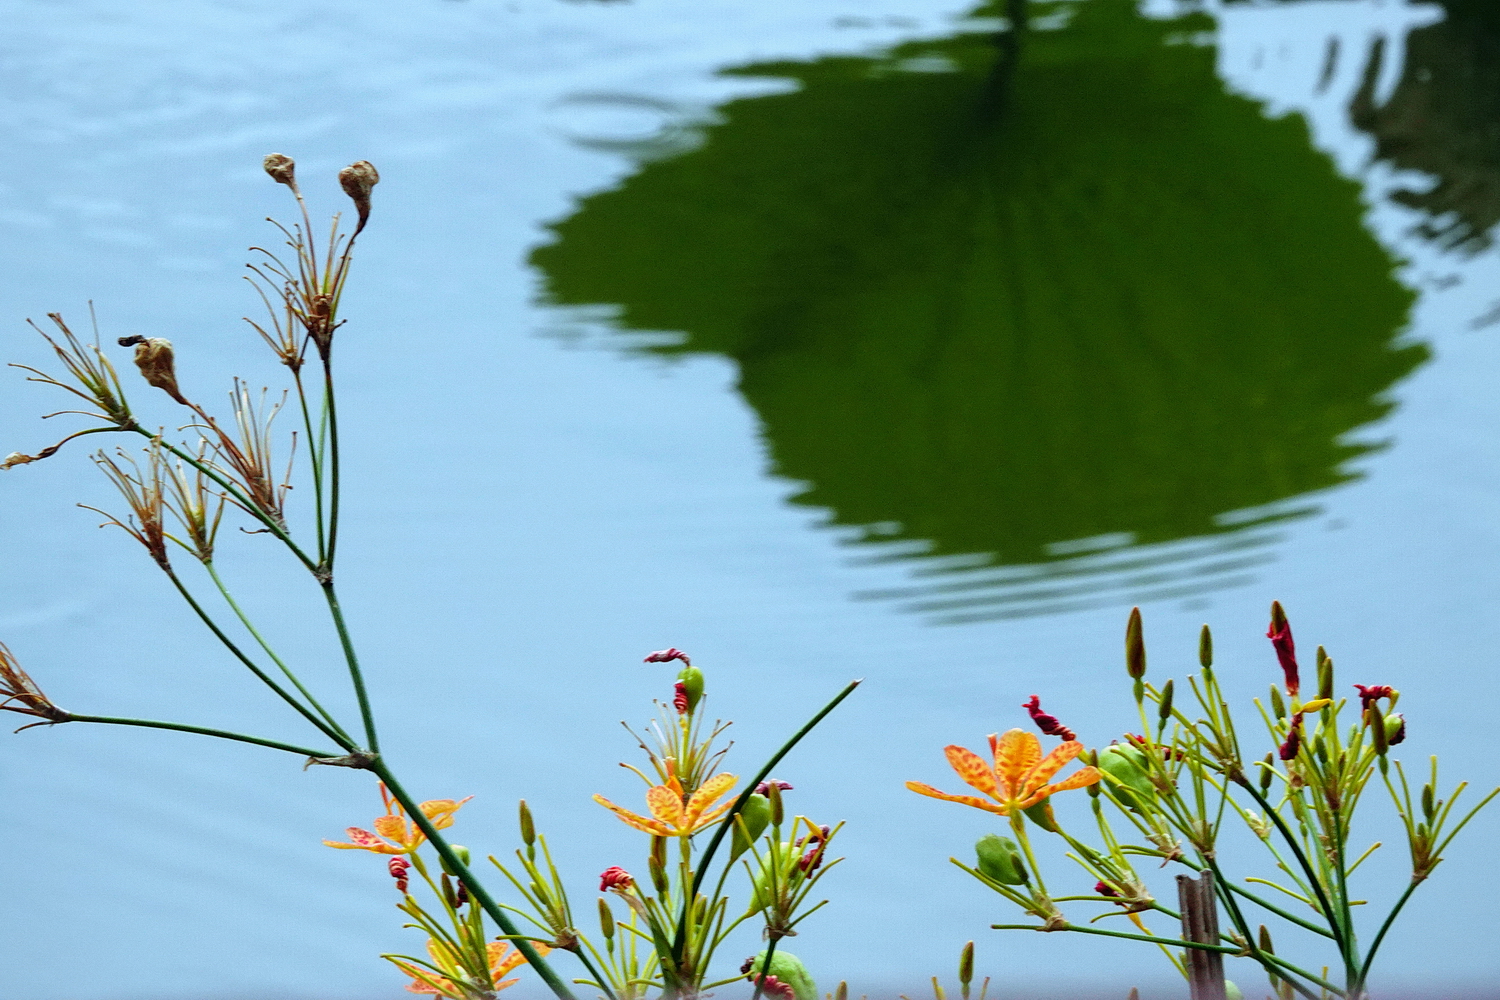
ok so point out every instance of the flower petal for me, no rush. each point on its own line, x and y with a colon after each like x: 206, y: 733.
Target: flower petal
x: 707, y: 795
x: 398, y: 831
x: 441, y: 811
x: 968, y: 800
x: 1017, y: 752
x: 1086, y: 776
x: 1046, y: 768
x: 971, y: 768
x: 364, y: 840
x: 666, y: 805
x: 641, y: 823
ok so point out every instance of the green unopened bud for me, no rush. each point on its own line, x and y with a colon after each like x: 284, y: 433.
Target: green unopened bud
x: 659, y: 864
x: 773, y: 794
x: 606, y: 919
x: 842, y: 993
x: 528, y: 828
x: 692, y: 685
x: 1000, y: 859
x: 1267, y: 772
x: 1278, y: 707
x: 1377, y: 728
x: 1265, y: 941
x: 1132, y: 786
x: 787, y: 968
x: 1135, y: 646
x: 153, y: 356
x: 1232, y: 992
x: 1042, y: 815
x: 1205, y: 647
x: 749, y: 825
x: 1164, y: 710
x: 966, y: 967
x: 1325, y: 674
x: 1427, y: 807
x: 448, y: 894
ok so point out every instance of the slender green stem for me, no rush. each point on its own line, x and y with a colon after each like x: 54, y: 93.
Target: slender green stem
x: 250, y: 627
x: 476, y: 889
x: 333, y: 466
x: 728, y: 822
x: 352, y: 659
x: 200, y: 731
x: 315, y: 460
x: 1264, y: 904
x: 229, y: 644
x: 1364, y: 973
x: 600, y: 980
x: 1174, y: 942
x: 1312, y: 876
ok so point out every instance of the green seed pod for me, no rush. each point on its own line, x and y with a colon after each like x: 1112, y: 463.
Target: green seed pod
x: 528, y: 828
x: 1232, y: 992
x: 1377, y: 728
x: 1135, y: 646
x: 692, y: 685
x: 749, y: 825
x: 1164, y: 710
x: 1427, y: 809
x: 461, y: 852
x: 606, y: 919
x: 966, y: 966
x: 773, y: 794
x: 1128, y: 766
x: 788, y: 968
x: 1000, y: 859
x: 1205, y: 648
x: 1278, y: 707
x: 1267, y: 772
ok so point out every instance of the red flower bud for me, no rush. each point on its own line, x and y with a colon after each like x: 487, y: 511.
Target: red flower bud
x: 1280, y: 635
x: 680, y: 699
x: 667, y: 656
x: 1048, y: 724
x: 770, y: 986
x: 764, y: 788
x: 1105, y: 889
x: 615, y: 879
x: 398, y: 867
x: 1368, y: 695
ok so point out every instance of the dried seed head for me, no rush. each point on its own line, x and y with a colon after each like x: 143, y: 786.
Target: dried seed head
x: 358, y: 179
x: 153, y: 356
x: 19, y: 693
x: 283, y: 169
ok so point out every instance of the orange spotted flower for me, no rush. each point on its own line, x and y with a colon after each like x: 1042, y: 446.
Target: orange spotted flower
x: 401, y: 834
x: 1018, y: 779
x: 501, y: 960
x: 673, y: 813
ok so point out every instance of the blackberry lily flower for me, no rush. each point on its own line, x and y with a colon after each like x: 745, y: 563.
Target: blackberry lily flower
x: 672, y: 813
x: 1018, y: 778
x: 401, y: 835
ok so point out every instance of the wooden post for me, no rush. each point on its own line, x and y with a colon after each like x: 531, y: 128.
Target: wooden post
x: 1200, y: 922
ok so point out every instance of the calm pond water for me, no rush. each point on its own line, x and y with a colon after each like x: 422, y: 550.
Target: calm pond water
x: 823, y: 339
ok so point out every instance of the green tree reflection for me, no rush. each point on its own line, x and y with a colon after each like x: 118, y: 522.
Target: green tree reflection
x: 1018, y: 287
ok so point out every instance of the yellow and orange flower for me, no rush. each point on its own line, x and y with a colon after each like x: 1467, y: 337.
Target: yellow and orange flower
x: 674, y: 814
x: 401, y: 834
x: 1018, y: 778
x: 501, y: 961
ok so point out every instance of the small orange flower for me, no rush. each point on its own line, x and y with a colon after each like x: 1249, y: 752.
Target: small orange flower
x: 501, y: 961
x: 676, y: 814
x: 401, y: 835
x: 1018, y: 779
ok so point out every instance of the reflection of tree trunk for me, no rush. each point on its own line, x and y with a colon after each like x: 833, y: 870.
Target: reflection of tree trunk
x: 1008, y: 45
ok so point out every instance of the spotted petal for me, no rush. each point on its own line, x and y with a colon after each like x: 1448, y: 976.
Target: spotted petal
x: 1083, y: 778
x: 707, y: 795
x: 364, y: 840
x: 1050, y: 765
x: 641, y: 823
x: 1017, y: 752
x: 971, y: 768
x: 398, y: 830
x: 967, y: 800
x: 441, y: 811
x: 666, y: 805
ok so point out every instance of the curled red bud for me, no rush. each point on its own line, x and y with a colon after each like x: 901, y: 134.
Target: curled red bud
x: 1368, y: 695
x: 1105, y: 889
x: 616, y: 879
x: 1280, y: 634
x: 770, y: 986
x: 680, y: 699
x: 1048, y: 724
x: 1288, y: 750
x: 667, y: 656
x: 764, y: 788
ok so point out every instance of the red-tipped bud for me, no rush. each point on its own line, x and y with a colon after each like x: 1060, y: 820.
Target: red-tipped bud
x: 667, y: 656
x: 1048, y: 724
x: 616, y: 879
x: 1280, y: 635
x: 680, y: 698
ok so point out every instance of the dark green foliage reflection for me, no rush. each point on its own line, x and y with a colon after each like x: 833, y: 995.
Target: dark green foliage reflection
x: 1017, y: 288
